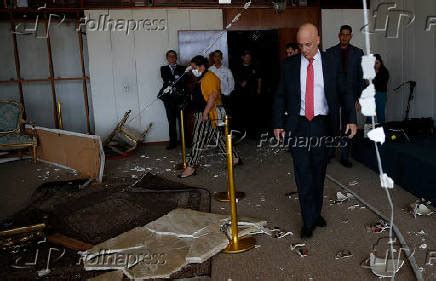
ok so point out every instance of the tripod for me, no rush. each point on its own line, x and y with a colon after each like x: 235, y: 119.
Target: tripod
x: 411, y: 96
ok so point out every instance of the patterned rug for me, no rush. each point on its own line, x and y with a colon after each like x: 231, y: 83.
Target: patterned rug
x: 93, y: 215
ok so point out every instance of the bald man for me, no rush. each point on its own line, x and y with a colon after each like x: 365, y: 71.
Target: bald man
x: 305, y: 115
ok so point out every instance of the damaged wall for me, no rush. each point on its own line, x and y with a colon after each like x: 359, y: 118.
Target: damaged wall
x: 34, y: 65
x: 125, y: 67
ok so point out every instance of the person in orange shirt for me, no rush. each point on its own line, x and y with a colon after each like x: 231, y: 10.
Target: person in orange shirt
x: 209, y: 114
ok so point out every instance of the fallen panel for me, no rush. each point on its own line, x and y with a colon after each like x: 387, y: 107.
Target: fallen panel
x: 165, y: 245
x: 83, y: 153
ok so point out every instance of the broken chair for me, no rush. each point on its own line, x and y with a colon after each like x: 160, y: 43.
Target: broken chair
x: 122, y: 140
x: 12, y: 136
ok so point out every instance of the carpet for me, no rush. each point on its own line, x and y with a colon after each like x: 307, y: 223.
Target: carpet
x: 93, y: 215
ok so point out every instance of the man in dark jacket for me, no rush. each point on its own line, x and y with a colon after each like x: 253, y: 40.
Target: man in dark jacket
x: 305, y: 108
x: 350, y: 76
x: 169, y: 74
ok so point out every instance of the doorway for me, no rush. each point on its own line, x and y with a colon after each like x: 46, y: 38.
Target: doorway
x: 264, y: 46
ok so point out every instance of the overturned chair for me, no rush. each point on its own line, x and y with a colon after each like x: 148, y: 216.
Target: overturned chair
x: 12, y: 136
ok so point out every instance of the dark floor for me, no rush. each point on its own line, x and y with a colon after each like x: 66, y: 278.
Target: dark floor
x: 265, y: 177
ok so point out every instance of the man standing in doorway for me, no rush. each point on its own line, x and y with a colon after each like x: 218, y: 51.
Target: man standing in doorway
x: 248, y: 91
x: 170, y: 73
x: 308, y: 93
x: 350, y: 76
x: 226, y: 77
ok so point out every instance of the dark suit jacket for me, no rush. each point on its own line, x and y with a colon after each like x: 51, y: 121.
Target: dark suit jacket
x: 288, y: 95
x: 168, y: 77
x: 354, y: 68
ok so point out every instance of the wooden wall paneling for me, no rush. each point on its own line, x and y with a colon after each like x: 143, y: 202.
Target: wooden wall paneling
x: 286, y: 35
x: 261, y: 19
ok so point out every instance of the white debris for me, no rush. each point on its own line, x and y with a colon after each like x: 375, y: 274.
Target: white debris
x: 168, y: 170
x: 353, y: 182
x: 423, y: 246
x: 138, y: 169
x: 377, y: 135
x: 386, y: 181
x: 368, y: 62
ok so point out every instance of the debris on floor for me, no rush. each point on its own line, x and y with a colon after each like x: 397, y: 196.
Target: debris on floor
x: 14, y: 239
x: 300, y: 249
x: 341, y: 198
x: 378, y: 227
x: 421, y: 208
x: 383, y: 267
x: 165, y: 245
x: 353, y: 182
x: 342, y: 254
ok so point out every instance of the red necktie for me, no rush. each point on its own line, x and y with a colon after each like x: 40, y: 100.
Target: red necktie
x: 309, y: 91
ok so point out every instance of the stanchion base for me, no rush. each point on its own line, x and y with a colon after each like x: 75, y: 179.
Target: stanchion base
x: 224, y: 196
x: 244, y: 244
x: 180, y: 166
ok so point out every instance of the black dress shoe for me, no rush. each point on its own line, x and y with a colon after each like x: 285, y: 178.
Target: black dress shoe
x: 321, y: 222
x: 306, y: 232
x: 346, y: 163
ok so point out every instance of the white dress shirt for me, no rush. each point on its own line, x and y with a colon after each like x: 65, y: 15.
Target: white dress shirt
x: 320, y: 101
x: 226, y: 77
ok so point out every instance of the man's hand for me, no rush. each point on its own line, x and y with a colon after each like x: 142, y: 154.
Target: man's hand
x: 352, y: 128
x: 205, y: 116
x: 279, y: 134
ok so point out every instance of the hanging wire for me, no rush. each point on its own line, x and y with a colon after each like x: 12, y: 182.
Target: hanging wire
x: 213, y: 41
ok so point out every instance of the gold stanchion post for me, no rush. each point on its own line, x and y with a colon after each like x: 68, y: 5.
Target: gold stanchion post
x: 61, y: 125
x: 225, y: 196
x: 236, y: 245
x: 183, y: 165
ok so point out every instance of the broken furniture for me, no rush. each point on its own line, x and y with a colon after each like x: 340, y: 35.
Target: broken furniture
x: 12, y: 136
x: 122, y: 140
x: 80, y: 152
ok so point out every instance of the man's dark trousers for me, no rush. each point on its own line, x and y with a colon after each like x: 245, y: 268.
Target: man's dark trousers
x: 172, y: 111
x: 310, y: 163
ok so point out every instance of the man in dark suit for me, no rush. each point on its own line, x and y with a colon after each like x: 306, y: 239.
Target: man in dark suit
x: 169, y: 74
x: 350, y: 76
x: 305, y: 108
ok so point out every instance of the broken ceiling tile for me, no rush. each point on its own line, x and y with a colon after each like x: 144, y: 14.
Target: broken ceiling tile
x: 206, y: 246
x: 184, y: 222
x: 167, y: 255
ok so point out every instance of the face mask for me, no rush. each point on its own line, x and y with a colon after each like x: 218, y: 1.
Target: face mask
x: 196, y: 73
